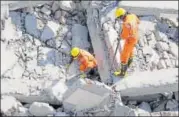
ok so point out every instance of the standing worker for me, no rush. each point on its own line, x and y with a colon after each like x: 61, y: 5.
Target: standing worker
x: 130, y: 35
x: 88, y: 64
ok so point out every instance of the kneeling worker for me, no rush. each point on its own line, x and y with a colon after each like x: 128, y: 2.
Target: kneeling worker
x: 88, y: 63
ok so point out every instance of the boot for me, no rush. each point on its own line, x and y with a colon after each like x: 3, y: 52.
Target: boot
x: 130, y: 61
x: 122, y: 72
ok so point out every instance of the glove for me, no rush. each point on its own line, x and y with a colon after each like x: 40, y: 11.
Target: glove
x: 83, y: 75
x: 67, y: 66
x: 116, y: 73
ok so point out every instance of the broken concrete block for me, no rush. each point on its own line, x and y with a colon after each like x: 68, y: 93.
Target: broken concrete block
x: 15, y: 72
x: 171, y: 104
x: 80, y: 37
x: 162, y: 46
x: 46, y: 56
x: 155, y: 114
x: 147, y: 50
x: 172, y: 33
x: 10, y: 31
x: 9, y: 105
x: 122, y: 110
x: 73, y: 69
x: 173, y: 49
x: 141, y: 40
x: 169, y: 113
x: 56, y: 91
x: 176, y: 95
x: 53, y: 72
x: 168, y: 95
x: 4, y: 11
x: 143, y: 114
x: 98, y: 45
x: 65, y: 14
x: 22, y: 112
x: 145, y: 106
x: 176, y: 63
x: 46, y: 10
x: 69, y: 35
x: 153, y: 41
x: 165, y: 55
x: 85, y: 4
x: 7, y: 54
x: 55, y: 6
x: 160, y: 107
x: 50, y: 31
x: 16, y: 18
x: 31, y: 25
x: 147, y: 82
x: 62, y: 20
x: 61, y: 114
x: 168, y: 63
x: 65, y: 46
x: 77, y: 96
x: 67, y: 5
x: 146, y: 26
x: 14, y: 5
x: 132, y: 102
x: 170, y: 18
x: 41, y: 109
x: 57, y: 15
x: 161, y: 64
x: 140, y: 111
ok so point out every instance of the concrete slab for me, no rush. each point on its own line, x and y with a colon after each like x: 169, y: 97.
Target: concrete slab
x: 146, y: 83
x: 80, y: 37
x: 111, y: 42
x: 150, y: 7
x: 13, y: 5
x: 98, y: 44
x: 29, y: 90
x: 82, y: 96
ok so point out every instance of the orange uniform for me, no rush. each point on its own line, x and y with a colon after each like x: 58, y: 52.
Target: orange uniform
x: 130, y: 35
x: 86, y: 60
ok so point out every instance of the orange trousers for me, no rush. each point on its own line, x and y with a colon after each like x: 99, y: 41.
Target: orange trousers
x: 128, y: 50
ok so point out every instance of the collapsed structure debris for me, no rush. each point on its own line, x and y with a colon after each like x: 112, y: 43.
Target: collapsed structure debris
x: 36, y: 39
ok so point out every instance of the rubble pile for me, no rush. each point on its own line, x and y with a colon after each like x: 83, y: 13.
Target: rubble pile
x: 36, y: 40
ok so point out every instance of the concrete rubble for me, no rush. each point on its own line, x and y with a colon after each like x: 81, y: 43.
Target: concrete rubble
x: 38, y: 80
x: 41, y: 109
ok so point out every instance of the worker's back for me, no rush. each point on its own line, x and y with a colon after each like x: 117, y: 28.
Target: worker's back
x: 87, y: 60
x: 130, y: 26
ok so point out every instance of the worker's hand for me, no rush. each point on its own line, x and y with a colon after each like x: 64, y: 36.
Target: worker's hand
x: 83, y: 75
x: 116, y: 73
x: 67, y: 66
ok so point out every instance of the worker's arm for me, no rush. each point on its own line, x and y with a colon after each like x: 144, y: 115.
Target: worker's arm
x: 83, y: 64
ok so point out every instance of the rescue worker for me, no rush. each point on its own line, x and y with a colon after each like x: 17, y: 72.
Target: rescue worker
x: 129, y: 33
x: 88, y: 64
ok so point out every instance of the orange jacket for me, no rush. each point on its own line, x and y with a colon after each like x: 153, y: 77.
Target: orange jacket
x: 130, y: 27
x: 86, y: 60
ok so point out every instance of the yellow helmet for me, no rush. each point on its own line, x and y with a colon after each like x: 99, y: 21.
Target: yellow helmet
x: 75, y: 52
x: 119, y: 12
